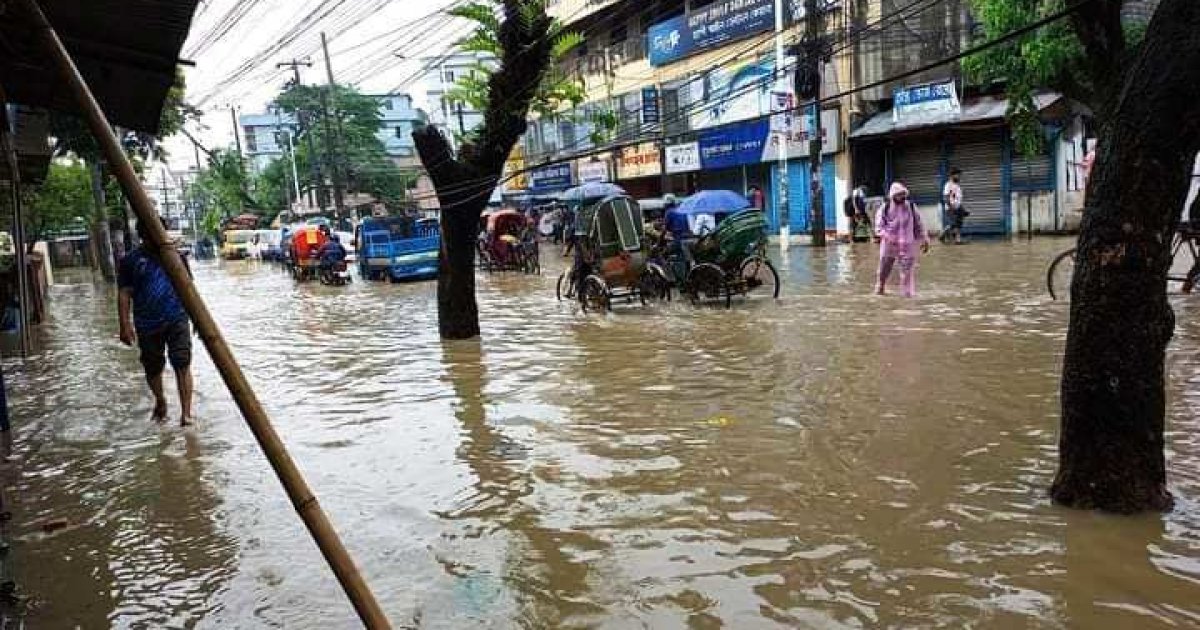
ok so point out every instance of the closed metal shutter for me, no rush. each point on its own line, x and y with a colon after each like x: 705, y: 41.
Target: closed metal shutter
x: 1032, y: 173
x: 799, y: 208
x: 982, y: 165
x: 918, y: 167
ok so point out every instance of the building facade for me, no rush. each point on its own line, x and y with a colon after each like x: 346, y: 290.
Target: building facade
x: 263, y: 141
x: 690, y: 85
x: 453, y: 118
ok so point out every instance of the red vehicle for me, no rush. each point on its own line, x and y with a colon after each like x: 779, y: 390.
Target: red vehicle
x: 508, y: 242
x: 306, y: 242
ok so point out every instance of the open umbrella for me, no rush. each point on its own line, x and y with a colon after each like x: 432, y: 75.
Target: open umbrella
x: 594, y: 190
x: 715, y: 202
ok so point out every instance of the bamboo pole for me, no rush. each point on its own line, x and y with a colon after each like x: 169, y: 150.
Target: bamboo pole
x: 285, y: 468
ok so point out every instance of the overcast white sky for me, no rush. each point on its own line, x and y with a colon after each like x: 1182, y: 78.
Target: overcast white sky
x: 238, y: 67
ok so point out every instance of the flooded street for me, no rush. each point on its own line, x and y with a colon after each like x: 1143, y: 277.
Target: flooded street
x: 832, y: 460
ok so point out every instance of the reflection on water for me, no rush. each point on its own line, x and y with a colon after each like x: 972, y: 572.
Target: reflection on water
x: 833, y: 460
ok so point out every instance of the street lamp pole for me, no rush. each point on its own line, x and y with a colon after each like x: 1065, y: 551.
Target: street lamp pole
x: 781, y: 197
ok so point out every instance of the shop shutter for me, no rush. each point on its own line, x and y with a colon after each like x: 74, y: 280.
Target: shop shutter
x: 982, y: 182
x: 1032, y: 173
x: 799, y: 208
x: 918, y: 167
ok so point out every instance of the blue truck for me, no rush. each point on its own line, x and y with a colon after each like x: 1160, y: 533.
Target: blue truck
x: 398, y: 248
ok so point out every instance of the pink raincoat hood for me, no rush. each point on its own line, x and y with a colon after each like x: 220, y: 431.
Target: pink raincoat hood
x: 896, y: 189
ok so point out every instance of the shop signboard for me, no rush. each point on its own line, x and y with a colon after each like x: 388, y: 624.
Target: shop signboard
x: 683, y: 158
x: 650, y: 113
x: 593, y: 169
x: 639, y: 160
x: 931, y: 98
x: 719, y: 23
x: 733, y: 145
x: 551, y: 177
x: 709, y: 27
x: 515, y: 177
x: 801, y: 133
x: 732, y: 93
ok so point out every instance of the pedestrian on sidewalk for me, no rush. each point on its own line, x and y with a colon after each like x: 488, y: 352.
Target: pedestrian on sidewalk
x: 151, y: 314
x: 955, y: 214
x: 902, y: 238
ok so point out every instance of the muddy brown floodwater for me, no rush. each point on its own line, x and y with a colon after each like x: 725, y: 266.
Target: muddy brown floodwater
x: 833, y: 460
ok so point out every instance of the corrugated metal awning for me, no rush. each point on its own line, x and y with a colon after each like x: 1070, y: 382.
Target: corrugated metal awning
x: 979, y: 109
x: 126, y: 50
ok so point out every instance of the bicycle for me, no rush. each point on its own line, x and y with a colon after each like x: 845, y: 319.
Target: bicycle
x: 1185, y: 243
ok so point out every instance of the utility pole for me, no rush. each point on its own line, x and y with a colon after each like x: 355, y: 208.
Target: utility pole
x: 237, y: 135
x: 814, y: 31
x: 339, y: 209
x: 295, y: 64
x: 781, y: 198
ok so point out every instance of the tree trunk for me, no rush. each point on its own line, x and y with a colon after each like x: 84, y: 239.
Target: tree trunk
x: 458, y: 187
x: 465, y: 182
x: 103, y: 240
x: 1113, y: 385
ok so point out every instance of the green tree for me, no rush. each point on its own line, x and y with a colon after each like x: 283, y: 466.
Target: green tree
x: 222, y: 186
x: 349, y: 140
x: 63, y: 201
x: 1113, y: 385
x: 73, y: 138
x: 557, y: 92
x: 465, y: 181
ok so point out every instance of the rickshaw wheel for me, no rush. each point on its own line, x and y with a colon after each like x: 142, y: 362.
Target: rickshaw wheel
x: 653, y: 285
x: 707, y: 280
x: 594, y: 296
x: 565, y: 287
x: 757, y: 272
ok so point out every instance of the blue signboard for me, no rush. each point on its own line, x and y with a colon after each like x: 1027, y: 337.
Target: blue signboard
x: 712, y: 26
x: 650, y: 114
x: 734, y: 145
x: 553, y: 176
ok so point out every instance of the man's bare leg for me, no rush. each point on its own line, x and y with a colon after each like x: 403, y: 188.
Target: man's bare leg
x: 160, y: 400
x: 183, y: 378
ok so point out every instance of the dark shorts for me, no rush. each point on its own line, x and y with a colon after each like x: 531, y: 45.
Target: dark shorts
x: 173, y: 341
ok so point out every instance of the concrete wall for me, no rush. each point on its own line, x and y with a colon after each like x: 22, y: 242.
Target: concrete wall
x: 1034, y: 208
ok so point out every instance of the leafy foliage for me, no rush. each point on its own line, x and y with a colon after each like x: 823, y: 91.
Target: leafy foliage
x: 62, y: 202
x: 557, y: 91
x: 220, y: 187
x: 353, y: 122
x: 1049, y: 57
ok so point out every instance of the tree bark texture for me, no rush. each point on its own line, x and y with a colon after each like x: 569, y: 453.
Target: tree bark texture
x: 465, y: 182
x: 1113, y: 385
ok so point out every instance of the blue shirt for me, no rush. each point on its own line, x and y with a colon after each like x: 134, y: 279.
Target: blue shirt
x: 155, y: 303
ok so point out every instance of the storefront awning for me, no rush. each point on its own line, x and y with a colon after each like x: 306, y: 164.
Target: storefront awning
x: 126, y: 50
x: 979, y: 109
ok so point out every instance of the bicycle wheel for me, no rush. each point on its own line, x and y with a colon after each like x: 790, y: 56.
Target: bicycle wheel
x: 758, y: 274
x: 653, y: 285
x: 1059, y: 274
x: 707, y: 281
x: 564, y: 288
x: 594, y: 295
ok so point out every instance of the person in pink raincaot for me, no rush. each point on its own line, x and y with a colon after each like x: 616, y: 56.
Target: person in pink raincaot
x: 901, y: 235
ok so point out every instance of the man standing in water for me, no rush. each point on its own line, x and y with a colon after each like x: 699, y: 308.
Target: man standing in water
x: 952, y: 196
x: 159, y: 324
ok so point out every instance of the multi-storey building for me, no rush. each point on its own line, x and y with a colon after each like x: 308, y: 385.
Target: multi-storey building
x: 261, y: 132
x: 453, y: 118
x: 691, y: 86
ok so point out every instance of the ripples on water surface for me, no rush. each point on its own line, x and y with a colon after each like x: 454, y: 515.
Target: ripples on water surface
x: 833, y: 460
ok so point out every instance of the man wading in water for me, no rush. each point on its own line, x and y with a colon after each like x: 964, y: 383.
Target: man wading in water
x: 159, y: 324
